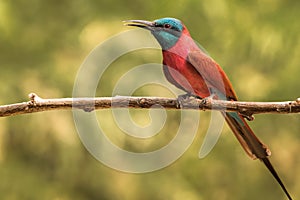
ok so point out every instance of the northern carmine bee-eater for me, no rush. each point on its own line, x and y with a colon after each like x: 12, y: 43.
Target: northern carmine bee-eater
x: 191, y: 69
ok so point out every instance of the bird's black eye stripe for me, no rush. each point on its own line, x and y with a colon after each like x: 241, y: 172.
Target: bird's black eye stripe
x: 158, y: 25
x: 168, y: 26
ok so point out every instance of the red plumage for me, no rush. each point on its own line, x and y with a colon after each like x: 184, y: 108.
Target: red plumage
x: 189, y: 68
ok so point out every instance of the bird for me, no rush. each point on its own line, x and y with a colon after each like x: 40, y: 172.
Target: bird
x: 189, y: 67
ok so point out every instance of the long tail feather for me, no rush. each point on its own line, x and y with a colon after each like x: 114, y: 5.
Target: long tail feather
x: 251, y: 144
x: 268, y: 164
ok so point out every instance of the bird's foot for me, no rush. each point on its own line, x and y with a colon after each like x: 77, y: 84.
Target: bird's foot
x: 248, y: 116
x: 209, y: 98
x: 185, y: 97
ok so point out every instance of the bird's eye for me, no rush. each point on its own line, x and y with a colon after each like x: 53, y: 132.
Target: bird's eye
x: 167, y: 26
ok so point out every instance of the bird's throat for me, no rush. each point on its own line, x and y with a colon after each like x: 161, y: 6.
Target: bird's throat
x: 165, y: 39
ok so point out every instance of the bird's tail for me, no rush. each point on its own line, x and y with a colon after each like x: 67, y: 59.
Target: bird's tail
x: 251, y: 144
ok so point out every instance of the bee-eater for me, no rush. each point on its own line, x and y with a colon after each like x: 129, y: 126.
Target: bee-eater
x: 191, y: 69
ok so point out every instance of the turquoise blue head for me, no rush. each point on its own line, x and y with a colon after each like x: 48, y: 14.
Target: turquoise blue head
x: 167, y: 31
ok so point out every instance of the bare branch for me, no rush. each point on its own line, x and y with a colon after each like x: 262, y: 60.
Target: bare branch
x: 37, y: 104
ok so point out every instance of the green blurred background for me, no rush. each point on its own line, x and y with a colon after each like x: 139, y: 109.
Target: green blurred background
x: 42, y: 45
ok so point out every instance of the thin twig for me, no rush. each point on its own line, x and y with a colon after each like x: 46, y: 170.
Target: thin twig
x: 37, y: 104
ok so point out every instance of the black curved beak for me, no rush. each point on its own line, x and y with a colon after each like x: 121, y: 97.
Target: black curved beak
x: 140, y: 23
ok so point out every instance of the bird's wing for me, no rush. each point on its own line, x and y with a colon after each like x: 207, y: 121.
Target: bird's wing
x: 170, y: 78
x: 212, y: 73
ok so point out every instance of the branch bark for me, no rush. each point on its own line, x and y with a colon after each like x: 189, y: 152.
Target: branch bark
x: 37, y: 104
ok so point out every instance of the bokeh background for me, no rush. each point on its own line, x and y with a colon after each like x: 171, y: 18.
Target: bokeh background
x: 42, y: 45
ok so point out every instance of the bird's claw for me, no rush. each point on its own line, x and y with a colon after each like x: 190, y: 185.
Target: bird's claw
x: 185, y: 97
x: 248, y: 116
x: 209, y: 98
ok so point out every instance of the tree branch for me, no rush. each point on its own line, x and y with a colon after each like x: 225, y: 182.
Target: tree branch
x: 37, y: 104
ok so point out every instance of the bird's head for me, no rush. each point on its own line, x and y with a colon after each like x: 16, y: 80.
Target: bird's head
x: 167, y: 31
